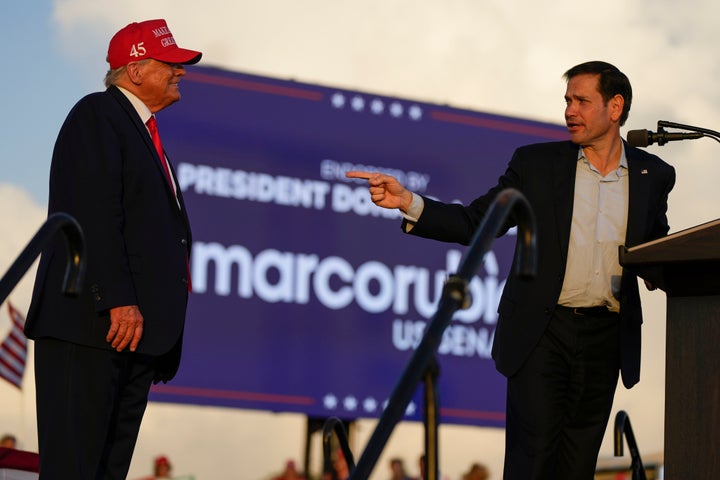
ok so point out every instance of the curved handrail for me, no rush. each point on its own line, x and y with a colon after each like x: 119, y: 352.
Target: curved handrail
x: 334, y: 424
x: 454, y: 297
x: 622, y: 425
x: 75, y: 242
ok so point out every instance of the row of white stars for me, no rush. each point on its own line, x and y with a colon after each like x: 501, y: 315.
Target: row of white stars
x: 350, y: 404
x: 358, y: 103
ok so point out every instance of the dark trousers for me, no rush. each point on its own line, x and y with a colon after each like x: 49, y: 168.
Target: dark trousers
x: 90, y: 403
x: 559, y: 403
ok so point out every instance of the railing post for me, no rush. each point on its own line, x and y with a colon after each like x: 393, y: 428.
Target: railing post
x: 454, y: 297
x: 334, y: 424
x: 431, y: 420
x: 622, y: 426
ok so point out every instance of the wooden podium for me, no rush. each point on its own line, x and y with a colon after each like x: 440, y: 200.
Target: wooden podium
x: 686, y: 265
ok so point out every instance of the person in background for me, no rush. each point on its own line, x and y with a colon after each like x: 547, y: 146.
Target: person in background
x: 8, y: 441
x: 163, y: 468
x: 97, y: 354
x: 422, y: 466
x: 397, y: 469
x: 339, y: 467
x: 562, y: 337
x: 477, y: 471
x: 290, y: 472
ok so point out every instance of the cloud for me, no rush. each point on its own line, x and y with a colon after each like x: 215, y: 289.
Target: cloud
x: 497, y: 56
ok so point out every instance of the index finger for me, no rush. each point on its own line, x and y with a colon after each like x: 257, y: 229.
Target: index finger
x: 359, y: 174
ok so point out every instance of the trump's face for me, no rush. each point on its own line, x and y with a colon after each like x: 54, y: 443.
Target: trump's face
x: 159, y: 85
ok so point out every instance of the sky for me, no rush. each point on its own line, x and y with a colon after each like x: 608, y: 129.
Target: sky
x: 498, y: 56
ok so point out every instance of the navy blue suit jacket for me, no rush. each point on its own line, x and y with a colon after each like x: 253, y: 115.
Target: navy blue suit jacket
x: 106, y: 173
x: 545, y: 174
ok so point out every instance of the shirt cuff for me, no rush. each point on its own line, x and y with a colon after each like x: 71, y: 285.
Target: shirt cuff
x: 416, y: 208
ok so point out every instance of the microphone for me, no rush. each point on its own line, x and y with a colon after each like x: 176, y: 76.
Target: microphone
x: 643, y: 138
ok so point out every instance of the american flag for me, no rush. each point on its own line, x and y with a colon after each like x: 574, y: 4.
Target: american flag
x: 13, y: 350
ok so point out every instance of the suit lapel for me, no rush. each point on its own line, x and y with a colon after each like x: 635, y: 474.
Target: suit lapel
x: 639, y: 179
x: 144, y: 135
x: 564, y: 190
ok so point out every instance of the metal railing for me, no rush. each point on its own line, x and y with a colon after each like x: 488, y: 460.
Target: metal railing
x: 75, y: 242
x: 622, y: 426
x: 454, y: 297
x: 335, y: 425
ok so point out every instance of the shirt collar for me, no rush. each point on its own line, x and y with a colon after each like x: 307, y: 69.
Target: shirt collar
x: 139, y: 106
x: 622, y: 167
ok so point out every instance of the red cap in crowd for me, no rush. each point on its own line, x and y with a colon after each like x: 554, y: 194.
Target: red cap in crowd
x: 148, y: 39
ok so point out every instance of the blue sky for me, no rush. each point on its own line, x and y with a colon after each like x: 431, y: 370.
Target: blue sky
x: 39, y: 86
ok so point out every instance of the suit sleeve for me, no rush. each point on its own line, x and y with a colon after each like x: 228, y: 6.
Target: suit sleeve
x: 86, y: 181
x: 455, y: 223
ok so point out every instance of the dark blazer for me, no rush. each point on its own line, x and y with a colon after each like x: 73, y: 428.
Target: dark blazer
x: 545, y: 174
x: 106, y: 173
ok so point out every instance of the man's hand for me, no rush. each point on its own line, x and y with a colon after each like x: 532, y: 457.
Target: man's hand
x: 126, y: 327
x: 385, y: 190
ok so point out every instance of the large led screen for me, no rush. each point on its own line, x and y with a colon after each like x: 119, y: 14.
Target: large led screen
x: 306, y: 296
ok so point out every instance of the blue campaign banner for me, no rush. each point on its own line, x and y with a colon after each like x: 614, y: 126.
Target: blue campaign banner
x: 306, y: 296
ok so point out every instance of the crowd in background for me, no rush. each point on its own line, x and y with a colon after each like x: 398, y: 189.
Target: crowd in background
x: 8, y: 440
x: 162, y: 468
x: 398, y: 471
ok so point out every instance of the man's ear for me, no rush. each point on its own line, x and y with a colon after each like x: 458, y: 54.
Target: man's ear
x: 134, y: 72
x: 616, y: 104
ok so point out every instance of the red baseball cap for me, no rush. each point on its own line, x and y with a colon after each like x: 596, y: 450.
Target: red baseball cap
x: 148, y: 39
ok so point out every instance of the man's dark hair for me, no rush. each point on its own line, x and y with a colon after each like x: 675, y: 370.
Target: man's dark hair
x: 611, y: 82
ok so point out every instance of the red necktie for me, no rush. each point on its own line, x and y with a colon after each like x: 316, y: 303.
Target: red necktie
x: 155, y: 135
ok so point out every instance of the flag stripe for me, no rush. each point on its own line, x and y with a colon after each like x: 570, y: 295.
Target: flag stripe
x: 10, y: 375
x: 14, y: 347
x: 13, y: 350
x: 12, y: 363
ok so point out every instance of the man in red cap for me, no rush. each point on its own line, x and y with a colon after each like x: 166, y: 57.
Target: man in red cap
x: 97, y: 354
x: 161, y: 468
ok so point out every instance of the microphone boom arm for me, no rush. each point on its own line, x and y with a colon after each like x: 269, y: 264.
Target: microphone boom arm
x: 710, y: 133
x: 706, y: 132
